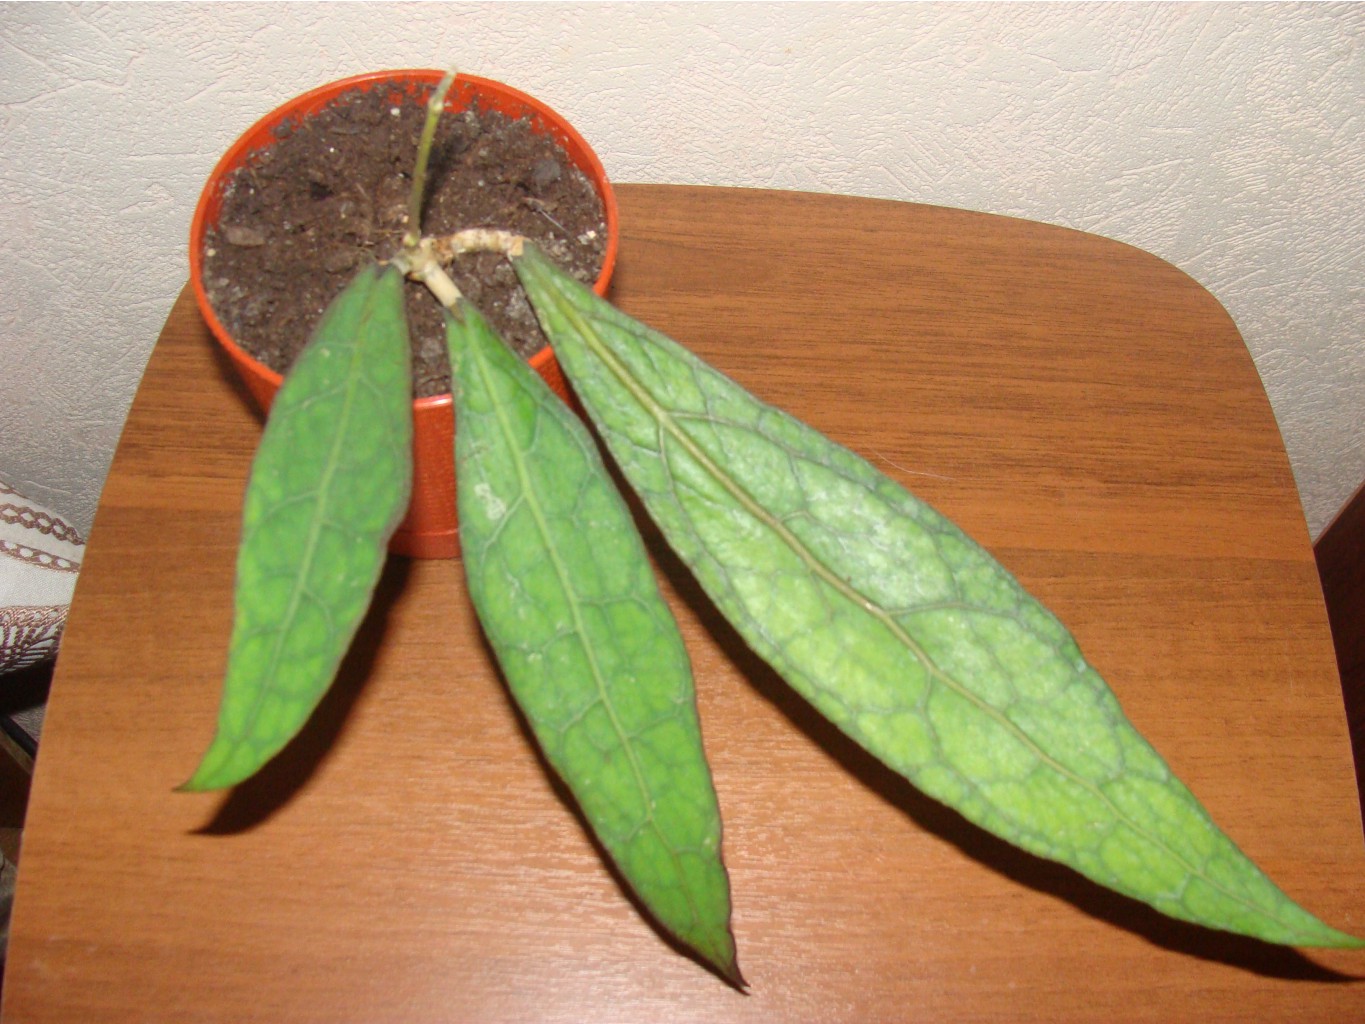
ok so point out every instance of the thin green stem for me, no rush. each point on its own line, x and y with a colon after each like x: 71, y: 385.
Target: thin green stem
x: 419, y: 174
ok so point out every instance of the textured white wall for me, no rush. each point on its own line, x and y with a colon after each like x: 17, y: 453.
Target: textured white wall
x: 1224, y: 138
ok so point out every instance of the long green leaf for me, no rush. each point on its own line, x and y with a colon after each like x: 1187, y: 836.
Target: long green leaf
x: 330, y: 482
x: 899, y: 628
x: 567, y: 598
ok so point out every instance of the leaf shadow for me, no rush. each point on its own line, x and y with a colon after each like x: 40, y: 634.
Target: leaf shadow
x: 565, y: 796
x: 253, y: 802
x: 1019, y: 866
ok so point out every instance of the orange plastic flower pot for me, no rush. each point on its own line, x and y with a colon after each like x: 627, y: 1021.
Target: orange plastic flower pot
x: 430, y: 529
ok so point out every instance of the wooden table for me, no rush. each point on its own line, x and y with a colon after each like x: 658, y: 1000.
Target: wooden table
x: 1085, y: 410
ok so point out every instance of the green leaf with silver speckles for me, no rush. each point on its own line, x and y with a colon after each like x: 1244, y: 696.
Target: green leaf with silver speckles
x: 898, y: 628
x: 567, y: 598
x: 329, y: 484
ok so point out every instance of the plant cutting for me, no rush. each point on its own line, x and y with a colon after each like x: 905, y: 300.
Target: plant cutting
x: 880, y: 612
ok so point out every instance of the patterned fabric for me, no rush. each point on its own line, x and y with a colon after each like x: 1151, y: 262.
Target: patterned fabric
x: 40, y: 557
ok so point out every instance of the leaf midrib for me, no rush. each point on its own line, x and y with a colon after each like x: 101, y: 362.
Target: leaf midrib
x: 565, y: 577
x: 321, y: 495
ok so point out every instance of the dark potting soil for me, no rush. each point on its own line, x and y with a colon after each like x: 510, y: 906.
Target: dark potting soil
x: 331, y: 194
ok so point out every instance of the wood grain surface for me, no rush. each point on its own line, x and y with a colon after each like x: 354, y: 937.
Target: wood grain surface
x: 1086, y: 411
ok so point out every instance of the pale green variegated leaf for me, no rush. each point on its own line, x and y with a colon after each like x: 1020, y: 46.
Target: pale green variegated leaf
x: 567, y: 598
x: 329, y: 484
x: 898, y: 628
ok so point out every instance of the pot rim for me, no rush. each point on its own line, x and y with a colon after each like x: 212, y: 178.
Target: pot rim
x: 258, y: 136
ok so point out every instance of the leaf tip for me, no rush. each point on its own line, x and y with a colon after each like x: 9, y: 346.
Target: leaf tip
x: 730, y: 972
x: 1334, y: 939
x: 718, y: 953
x: 198, y: 784
x: 222, y: 767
